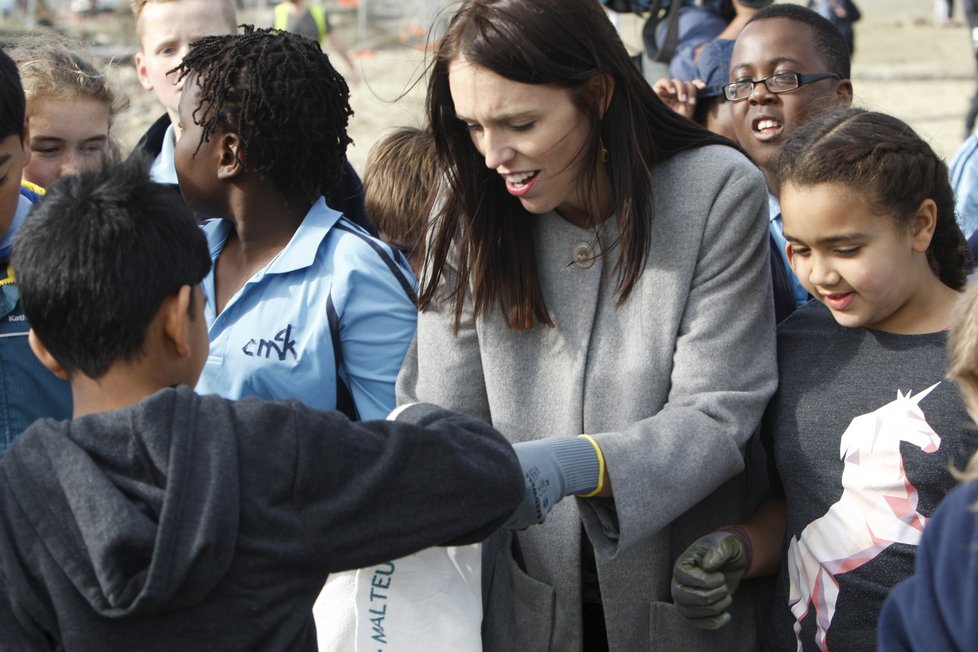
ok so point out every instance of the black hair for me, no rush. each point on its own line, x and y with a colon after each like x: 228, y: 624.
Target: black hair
x: 96, y: 259
x: 13, y: 104
x: 568, y: 44
x: 282, y: 97
x: 883, y: 158
x: 703, y: 107
x: 829, y: 42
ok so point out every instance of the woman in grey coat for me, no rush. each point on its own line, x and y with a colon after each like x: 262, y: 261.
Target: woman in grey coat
x: 597, y: 265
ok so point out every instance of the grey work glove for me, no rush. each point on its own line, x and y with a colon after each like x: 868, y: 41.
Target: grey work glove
x: 706, y: 575
x: 553, y: 468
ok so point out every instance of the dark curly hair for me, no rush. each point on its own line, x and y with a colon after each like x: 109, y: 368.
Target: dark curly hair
x: 884, y: 157
x: 282, y: 97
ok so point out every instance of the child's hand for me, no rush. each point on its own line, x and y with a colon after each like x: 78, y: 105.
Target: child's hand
x: 679, y: 95
x: 706, y: 575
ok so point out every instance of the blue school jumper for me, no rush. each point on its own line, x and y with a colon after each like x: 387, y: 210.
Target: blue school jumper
x: 28, y: 391
x: 327, y: 321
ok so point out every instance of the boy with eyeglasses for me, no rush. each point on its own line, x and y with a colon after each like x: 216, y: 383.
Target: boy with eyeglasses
x: 789, y: 66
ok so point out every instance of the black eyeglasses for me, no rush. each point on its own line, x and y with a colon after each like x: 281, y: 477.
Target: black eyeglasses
x: 780, y: 82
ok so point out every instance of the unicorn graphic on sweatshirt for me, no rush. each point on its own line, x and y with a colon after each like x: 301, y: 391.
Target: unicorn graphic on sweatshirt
x: 878, y: 507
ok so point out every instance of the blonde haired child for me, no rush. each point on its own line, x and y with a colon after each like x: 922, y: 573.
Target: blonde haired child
x: 863, y: 428
x: 71, y: 105
x: 399, y: 183
x: 164, y: 31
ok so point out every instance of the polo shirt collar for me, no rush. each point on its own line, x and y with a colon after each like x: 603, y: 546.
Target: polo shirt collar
x: 301, y: 250
x: 164, y: 170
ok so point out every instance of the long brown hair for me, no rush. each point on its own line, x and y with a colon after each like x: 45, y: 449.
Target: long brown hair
x: 565, y: 44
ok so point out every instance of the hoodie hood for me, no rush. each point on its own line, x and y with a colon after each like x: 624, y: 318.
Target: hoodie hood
x: 139, y: 507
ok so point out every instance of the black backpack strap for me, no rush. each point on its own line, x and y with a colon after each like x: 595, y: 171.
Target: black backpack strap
x: 344, y: 399
x: 665, y: 53
x: 388, y: 256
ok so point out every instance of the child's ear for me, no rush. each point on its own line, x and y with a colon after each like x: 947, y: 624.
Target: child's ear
x: 176, y: 319
x: 232, y: 156
x: 789, y: 252
x: 843, y: 93
x: 924, y: 224
x: 141, y: 72
x: 42, y: 354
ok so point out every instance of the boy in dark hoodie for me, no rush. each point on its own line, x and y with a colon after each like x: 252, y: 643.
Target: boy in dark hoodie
x: 157, y: 519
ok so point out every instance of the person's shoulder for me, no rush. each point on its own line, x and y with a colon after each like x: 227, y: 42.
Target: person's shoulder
x: 352, y: 244
x: 963, y: 497
x: 715, y: 162
x: 807, y: 324
x: 31, y: 191
x: 952, y: 531
x: 151, y: 142
x: 966, y: 152
x: 810, y: 314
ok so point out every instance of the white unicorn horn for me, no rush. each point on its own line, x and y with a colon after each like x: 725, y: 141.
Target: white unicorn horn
x: 916, y: 399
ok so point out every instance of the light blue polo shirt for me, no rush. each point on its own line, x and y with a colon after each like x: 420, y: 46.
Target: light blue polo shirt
x: 334, y: 296
x: 164, y: 170
x: 963, y: 174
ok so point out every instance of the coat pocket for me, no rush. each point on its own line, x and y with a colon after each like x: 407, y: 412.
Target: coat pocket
x: 535, y: 607
x: 670, y: 631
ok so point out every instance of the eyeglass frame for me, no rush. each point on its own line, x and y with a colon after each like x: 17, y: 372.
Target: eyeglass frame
x: 801, y: 78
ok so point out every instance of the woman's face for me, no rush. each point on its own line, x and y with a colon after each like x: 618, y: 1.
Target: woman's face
x: 67, y: 137
x: 533, y: 135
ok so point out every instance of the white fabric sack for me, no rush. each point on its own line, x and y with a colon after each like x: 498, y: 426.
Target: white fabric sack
x: 430, y: 601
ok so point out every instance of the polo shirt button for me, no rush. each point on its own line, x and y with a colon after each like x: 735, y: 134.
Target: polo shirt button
x: 583, y: 255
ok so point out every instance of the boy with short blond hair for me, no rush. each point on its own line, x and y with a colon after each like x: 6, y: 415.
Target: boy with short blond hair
x: 165, y: 29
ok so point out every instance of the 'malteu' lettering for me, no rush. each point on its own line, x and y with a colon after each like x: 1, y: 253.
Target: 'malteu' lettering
x: 381, y: 580
x: 386, y: 569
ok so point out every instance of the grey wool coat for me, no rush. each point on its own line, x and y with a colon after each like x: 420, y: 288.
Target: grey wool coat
x: 671, y: 385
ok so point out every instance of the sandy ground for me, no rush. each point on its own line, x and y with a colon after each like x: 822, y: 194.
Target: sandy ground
x: 903, y: 65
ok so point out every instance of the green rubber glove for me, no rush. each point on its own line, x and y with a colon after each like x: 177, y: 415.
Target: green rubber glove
x: 706, y: 575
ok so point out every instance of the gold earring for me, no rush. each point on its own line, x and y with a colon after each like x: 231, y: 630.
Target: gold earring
x: 604, y: 150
